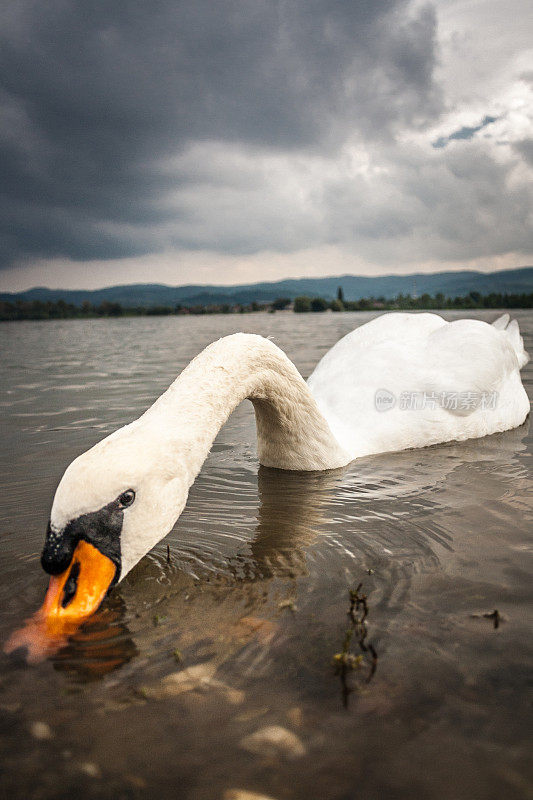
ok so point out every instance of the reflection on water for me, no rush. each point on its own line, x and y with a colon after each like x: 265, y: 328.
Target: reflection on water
x: 257, y: 591
x: 103, y: 644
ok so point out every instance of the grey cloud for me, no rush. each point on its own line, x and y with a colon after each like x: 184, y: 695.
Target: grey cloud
x: 456, y: 204
x: 525, y: 149
x: 461, y: 206
x: 95, y: 93
x: 464, y: 133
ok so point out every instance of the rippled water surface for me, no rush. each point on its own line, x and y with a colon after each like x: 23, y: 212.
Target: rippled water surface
x: 257, y: 594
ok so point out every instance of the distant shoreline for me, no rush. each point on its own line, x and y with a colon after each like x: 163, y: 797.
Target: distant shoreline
x: 44, y: 310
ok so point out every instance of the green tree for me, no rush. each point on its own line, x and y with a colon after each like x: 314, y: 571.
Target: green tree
x: 302, y: 304
x: 319, y: 304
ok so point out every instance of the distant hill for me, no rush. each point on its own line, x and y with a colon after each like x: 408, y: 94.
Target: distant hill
x: 451, y: 284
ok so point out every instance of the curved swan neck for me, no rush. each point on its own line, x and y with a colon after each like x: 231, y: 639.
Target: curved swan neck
x: 291, y: 432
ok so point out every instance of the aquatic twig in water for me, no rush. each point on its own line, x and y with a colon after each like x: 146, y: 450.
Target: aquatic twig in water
x: 345, y: 661
x: 495, y: 616
x: 169, y: 560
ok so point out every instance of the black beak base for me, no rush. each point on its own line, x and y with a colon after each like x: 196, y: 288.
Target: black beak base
x: 100, y: 528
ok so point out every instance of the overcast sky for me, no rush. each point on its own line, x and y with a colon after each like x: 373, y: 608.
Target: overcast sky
x: 234, y: 141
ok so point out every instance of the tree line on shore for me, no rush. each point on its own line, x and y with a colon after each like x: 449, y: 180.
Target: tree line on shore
x: 40, y: 310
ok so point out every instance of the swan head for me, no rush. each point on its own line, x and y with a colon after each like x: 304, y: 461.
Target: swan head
x: 113, y: 504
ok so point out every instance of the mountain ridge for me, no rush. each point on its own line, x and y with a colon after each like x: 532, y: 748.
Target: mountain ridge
x: 354, y: 287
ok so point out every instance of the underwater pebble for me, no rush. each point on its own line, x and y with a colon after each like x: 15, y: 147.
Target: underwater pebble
x: 90, y: 769
x: 273, y: 741
x: 186, y: 680
x: 244, y: 794
x: 196, y: 678
x: 41, y: 731
x: 290, y: 604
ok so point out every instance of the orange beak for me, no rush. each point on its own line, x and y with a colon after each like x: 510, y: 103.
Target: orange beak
x: 71, y: 598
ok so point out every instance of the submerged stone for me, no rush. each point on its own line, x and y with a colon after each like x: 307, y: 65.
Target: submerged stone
x: 274, y: 741
x: 41, y: 731
x: 199, y: 678
x: 90, y: 769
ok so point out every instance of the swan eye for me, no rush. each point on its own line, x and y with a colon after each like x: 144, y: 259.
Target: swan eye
x: 126, y: 498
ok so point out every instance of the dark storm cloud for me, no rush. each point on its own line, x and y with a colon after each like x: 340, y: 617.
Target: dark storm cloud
x: 93, y: 94
x: 464, y: 132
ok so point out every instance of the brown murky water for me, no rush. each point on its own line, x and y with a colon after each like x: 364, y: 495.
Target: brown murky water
x: 256, y: 595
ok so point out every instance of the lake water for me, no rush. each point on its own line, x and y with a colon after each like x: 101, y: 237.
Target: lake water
x: 256, y: 595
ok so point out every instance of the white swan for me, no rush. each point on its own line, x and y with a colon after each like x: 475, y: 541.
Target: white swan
x: 400, y: 381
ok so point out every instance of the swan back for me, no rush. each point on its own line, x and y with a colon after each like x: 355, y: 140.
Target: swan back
x: 420, y: 363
